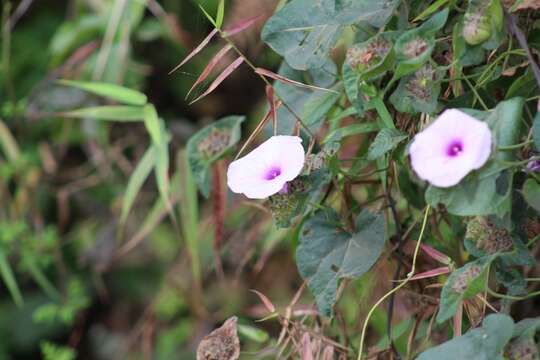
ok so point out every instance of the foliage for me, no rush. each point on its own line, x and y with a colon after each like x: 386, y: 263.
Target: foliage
x: 358, y: 257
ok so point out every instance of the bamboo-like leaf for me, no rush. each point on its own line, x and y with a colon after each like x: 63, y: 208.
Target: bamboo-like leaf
x: 285, y: 80
x: 209, y: 17
x: 220, y: 14
x: 241, y: 26
x: 40, y: 278
x: 272, y: 104
x: 151, y: 122
x: 108, y: 113
x: 9, y: 279
x: 431, y: 273
x: 265, y: 300
x: 111, y: 91
x: 137, y: 179
x: 228, y: 70
x: 189, y: 213
x: 8, y: 143
x: 196, y: 50
x: 211, y: 65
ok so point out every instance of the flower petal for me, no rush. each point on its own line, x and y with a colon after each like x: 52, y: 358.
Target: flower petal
x: 430, y: 156
x: 249, y: 175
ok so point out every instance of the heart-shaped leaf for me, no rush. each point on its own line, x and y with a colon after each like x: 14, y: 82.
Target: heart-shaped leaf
x: 328, y: 253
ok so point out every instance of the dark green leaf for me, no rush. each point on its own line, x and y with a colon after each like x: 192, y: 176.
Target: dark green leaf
x: 463, y: 284
x: 484, y: 343
x: 210, y: 144
x: 536, y: 131
x: 328, y: 253
x: 304, y: 31
x: 531, y: 193
x: 386, y: 140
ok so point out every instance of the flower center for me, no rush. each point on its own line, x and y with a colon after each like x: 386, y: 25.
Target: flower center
x: 454, y: 149
x: 272, y: 173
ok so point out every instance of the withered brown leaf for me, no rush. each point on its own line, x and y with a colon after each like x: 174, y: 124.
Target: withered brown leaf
x: 221, y: 344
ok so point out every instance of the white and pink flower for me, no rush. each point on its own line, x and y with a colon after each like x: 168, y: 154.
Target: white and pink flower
x: 266, y: 170
x: 450, y: 148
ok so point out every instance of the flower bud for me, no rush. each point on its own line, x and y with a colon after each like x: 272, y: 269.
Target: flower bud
x: 465, y: 277
x: 481, y: 19
x: 487, y: 236
x: 521, y: 349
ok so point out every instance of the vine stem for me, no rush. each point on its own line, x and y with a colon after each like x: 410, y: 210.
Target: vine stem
x: 409, y: 276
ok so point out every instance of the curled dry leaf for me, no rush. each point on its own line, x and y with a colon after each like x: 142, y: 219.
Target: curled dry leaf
x: 221, y: 344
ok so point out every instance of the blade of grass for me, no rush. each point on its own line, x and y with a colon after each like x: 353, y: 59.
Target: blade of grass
x: 228, y: 70
x: 108, y: 90
x: 210, y: 18
x: 211, y: 65
x: 220, y: 14
x: 8, y: 143
x: 241, y: 26
x: 285, y: 80
x: 108, y: 113
x: 189, y: 214
x: 137, y: 179
x: 9, y: 279
x: 195, y: 51
x: 40, y: 278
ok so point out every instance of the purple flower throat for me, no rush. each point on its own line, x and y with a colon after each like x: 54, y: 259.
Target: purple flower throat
x: 272, y: 173
x: 454, y: 148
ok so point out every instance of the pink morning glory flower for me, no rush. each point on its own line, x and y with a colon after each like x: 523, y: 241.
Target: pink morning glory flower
x: 450, y: 148
x: 266, y: 170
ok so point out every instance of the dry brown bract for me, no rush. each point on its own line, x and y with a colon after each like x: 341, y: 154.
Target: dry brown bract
x: 221, y: 344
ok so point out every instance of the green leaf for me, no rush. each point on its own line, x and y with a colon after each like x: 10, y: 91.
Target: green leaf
x: 304, y: 31
x: 152, y: 124
x: 536, y: 131
x: 210, y: 18
x: 9, y: 280
x: 111, y: 91
x: 484, y: 343
x: 220, y: 14
x: 527, y: 328
x: 298, y: 98
x: 327, y: 253
x: 160, y: 143
x: 350, y: 81
x: 137, y: 179
x: 109, y: 113
x: 386, y: 140
x: 488, y: 190
x: 531, y: 193
x: 318, y: 105
x: 51, y: 351
x: 210, y: 144
x: 252, y: 333
x: 350, y: 130
x: 464, y: 283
